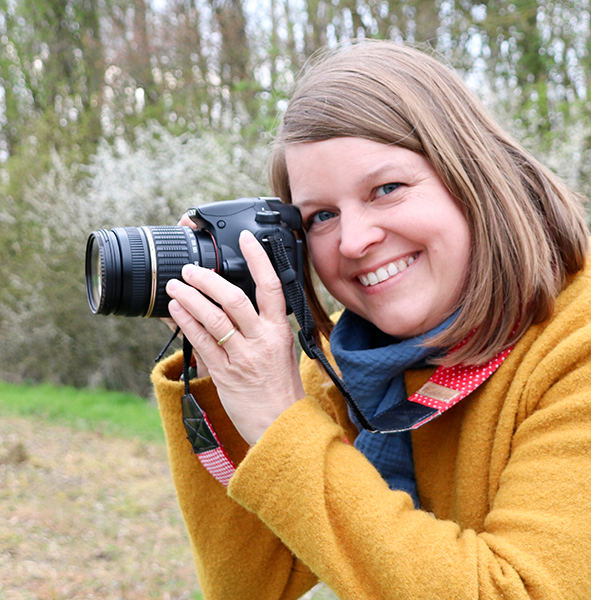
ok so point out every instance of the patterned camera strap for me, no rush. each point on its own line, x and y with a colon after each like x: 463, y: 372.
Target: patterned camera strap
x: 446, y: 387
x: 200, y: 432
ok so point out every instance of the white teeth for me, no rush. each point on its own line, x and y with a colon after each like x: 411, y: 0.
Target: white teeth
x: 383, y: 273
x: 392, y: 269
x: 372, y: 278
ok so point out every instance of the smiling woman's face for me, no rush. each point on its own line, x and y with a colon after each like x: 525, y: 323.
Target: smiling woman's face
x: 385, y: 236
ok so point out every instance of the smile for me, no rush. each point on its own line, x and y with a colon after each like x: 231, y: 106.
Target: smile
x: 384, y: 273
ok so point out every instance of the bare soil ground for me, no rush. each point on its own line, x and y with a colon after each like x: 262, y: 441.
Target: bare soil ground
x: 84, y: 516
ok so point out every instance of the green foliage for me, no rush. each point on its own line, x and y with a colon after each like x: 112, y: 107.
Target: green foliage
x: 112, y: 413
x: 115, y: 113
x: 53, y: 59
x: 534, y: 56
x: 48, y: 331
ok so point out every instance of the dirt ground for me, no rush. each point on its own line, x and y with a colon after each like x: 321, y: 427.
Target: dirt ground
x: 83, y: 516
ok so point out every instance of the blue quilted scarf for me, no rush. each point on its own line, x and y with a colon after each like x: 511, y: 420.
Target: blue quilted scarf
x: 372, y: 365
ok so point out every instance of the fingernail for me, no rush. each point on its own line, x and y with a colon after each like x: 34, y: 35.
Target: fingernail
x: 247, y: 236
x: 189, y: 270
x: 172, y: 285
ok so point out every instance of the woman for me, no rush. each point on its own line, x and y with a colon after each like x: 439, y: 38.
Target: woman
x: 460, y: 261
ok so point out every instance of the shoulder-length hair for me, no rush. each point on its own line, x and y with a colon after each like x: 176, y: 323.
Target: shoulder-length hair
x: 527, y: 227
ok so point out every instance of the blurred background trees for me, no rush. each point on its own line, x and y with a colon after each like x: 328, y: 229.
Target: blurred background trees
x: 126, y: 112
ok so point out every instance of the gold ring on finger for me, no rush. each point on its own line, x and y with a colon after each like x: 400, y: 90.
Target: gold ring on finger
x: 228, y: 335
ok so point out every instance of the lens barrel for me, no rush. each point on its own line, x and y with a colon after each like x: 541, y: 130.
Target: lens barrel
x: 127, y: 268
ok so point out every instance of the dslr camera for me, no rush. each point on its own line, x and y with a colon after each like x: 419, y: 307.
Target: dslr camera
x: 127, y: 268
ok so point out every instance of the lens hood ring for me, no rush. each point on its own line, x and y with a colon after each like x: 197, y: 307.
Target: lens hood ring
x: 154, y: 264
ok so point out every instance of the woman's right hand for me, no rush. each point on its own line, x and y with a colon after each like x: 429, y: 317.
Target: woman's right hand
x: 250, y: 354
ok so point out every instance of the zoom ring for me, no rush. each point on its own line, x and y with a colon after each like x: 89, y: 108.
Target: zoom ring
x: 172, y: 252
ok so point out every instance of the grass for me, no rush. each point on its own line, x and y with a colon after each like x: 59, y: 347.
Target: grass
x: 111, y: 413
x: 88, y: 504
x: 87, y: 515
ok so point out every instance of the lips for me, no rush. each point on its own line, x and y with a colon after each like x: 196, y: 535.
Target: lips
x: 384, y: 273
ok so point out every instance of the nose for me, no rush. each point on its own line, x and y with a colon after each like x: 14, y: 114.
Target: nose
x: 358, y: 233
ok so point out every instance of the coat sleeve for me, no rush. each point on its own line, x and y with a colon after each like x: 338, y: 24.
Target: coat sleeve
x: 304, y: 491
x: 237, y: 556
x: 327, y: 503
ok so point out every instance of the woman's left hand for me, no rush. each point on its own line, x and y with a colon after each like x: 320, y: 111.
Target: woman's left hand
x: 255, y: 370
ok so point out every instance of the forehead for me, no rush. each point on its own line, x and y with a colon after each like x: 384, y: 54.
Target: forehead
x: 349, y: 161
x: 349, y: 149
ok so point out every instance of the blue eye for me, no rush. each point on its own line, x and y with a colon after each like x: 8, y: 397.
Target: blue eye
x: 322, y: 215
x: 386, y: 189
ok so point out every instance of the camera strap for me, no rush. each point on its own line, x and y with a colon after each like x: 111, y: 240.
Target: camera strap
x: 446, y: 387
x: 297, y: 298
x: 200, y: 432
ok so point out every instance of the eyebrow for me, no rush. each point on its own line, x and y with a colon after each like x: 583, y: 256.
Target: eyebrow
x: 375, y: 174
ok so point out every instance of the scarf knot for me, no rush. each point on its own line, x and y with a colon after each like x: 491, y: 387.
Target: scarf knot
x: 372, y: 365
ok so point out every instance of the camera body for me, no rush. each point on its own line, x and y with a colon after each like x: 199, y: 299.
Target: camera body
x: 127, y: 268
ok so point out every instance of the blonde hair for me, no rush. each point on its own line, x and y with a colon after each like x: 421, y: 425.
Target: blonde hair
x: 527, y: 227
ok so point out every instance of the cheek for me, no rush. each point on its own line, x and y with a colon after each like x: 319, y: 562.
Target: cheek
x: 460, y: 259
x: 315, y: 258
x: 325, y: 260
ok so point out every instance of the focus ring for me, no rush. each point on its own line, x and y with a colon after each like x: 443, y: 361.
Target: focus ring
x: 140, y: 281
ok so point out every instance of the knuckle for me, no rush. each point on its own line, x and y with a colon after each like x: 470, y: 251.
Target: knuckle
x: 272, y: 285
x: 216, y: 319
x: 237, y: 300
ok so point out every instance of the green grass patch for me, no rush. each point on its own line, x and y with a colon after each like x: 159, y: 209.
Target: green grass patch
x: 111, y: 413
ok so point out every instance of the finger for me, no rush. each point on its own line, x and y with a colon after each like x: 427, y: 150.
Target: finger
x: 210, y: 317
x: 186, y: 221
x: 269, y: 292
x: 202, y: 370
x: 237, y: 308
x: 201, y: 339
x: 200, y: 366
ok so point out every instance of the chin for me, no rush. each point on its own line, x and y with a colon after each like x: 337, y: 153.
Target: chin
x: 399, y: 330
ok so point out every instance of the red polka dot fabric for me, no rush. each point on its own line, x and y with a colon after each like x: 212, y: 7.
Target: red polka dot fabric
x: 461, y: 379
x: 448, y: 385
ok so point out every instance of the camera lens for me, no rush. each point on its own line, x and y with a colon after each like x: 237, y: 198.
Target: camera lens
x: 127, y: 268
x: 96, y: 274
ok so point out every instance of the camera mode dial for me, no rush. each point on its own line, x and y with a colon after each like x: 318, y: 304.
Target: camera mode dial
x: 268, y: 217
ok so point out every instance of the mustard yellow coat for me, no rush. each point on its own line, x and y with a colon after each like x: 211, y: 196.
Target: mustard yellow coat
x: 504, y: 479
